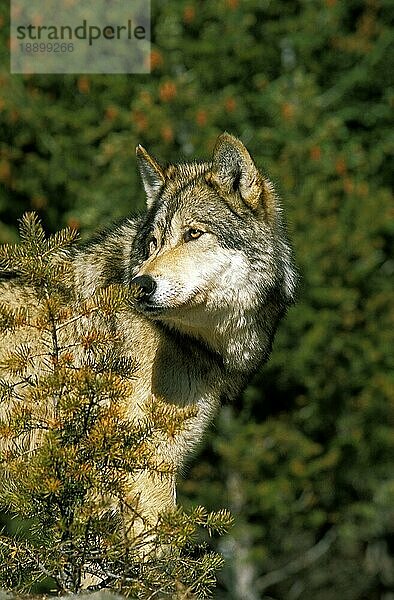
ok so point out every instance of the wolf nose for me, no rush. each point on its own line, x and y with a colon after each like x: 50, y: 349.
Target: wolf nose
x: 147, y: 285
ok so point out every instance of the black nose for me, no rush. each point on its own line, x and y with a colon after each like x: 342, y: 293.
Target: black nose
x: 147, y: 285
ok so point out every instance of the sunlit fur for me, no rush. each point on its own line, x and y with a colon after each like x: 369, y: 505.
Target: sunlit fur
x: 219, y: 296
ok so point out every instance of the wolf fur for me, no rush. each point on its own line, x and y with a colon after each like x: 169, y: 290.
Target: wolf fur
x: 211, y: 257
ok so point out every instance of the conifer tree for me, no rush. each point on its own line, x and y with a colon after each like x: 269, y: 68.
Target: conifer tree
x: 307, y: 85
x: 69, y: 449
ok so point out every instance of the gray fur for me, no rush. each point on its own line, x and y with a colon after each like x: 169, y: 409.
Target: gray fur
x: 212, y: 241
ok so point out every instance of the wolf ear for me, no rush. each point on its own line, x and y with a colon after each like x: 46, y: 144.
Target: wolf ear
x: 233, y: 170
x: 151, y: 172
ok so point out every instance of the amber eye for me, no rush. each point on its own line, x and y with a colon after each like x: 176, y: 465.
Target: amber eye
x: 192, y: 234
x: 152, y: 245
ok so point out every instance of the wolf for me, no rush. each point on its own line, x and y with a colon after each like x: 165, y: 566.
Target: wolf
x: 215, y: 273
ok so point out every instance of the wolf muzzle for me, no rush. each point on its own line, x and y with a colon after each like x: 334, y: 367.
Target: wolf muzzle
x: 146, y: 284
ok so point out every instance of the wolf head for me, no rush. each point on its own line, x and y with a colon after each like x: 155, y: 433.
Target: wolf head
x: 211, y: 257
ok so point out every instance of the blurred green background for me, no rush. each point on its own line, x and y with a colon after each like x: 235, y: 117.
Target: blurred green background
x: 305, y: 459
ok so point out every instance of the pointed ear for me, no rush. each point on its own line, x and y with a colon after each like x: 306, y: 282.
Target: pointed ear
x: 233, y: 170
x: 151, y: 172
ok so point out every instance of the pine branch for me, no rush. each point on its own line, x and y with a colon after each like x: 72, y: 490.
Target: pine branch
x: 70, y: 448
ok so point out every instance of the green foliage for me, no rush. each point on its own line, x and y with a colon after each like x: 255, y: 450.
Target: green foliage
x: 308, y: 86
x: 70, y: 447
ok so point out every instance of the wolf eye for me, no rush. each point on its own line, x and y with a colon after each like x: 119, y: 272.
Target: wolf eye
x: 192, y: 234
x: 152, y: 245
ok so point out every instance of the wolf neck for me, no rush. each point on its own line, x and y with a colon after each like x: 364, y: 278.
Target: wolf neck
x: 241, y: 339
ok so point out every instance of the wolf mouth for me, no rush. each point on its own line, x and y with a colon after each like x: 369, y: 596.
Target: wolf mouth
x: 151, y: 309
